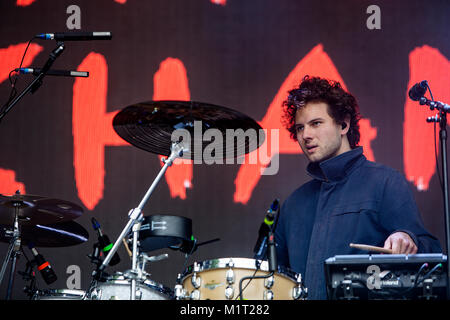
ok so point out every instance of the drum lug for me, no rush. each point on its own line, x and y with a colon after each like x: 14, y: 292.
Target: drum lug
x: 180, y: 292
x: 299, y: 292
x: 230, y: 276
x: 268, y: 282
x: 195, y: 295
x: 230, y: 273
x: 138, y: 295
x: 268, y: 295
x: 96, y: 294
x: 229, y: 292
x: 196, y: 281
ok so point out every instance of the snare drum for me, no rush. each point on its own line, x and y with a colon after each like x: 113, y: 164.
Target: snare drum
x: 59, y: 294
x: 118, y: 287
x: 219, y: 280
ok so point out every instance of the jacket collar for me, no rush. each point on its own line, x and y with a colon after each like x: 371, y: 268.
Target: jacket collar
x: 336, y: 168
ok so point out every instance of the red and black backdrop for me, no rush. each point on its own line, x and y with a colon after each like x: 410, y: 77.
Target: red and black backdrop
x: 59, y: 142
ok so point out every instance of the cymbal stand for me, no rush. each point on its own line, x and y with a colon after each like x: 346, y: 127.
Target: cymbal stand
x: 135, y: 217
x: 13, y: 253
x: 29, y: 276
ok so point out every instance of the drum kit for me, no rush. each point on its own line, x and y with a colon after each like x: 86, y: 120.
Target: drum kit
x: 39, y: 221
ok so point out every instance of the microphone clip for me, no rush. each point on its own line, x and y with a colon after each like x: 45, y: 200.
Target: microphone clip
x: 52, y: 57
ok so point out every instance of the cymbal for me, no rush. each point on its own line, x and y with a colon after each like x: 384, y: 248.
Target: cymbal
x: 149, y: 126
x: 34, y: 209
x: 63, y: 234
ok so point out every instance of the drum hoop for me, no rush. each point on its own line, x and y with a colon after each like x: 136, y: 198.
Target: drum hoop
x: 62, y: 292
x: 147, y: 283
x: 243, y: 263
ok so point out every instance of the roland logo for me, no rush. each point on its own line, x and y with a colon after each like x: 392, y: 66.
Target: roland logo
x: 159, y: 225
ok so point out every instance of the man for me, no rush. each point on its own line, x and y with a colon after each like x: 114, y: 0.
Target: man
x: 349, y: 199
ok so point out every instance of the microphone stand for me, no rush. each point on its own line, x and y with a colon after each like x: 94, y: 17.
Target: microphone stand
x: 265, y: 249
x: 13, y: 253
x: 37, y: 82
x: 442, y: 119
x: 136, y: 217
x: 15, y: 243
x: 271, y: 260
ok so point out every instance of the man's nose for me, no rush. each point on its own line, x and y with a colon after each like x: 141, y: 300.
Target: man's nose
x: 306, y: 133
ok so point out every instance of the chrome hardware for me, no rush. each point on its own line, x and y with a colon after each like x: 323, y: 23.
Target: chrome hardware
x: 195, y: 295
x: 138, y: 294
x: 229, y: 292
x: 180, y: 292
x: 96, y: 294
x: 268, y: 295
x: 230, y: 276
x: 230, y: 273
x: 196, y: 281
x: 230, y: 264
x: 268, y: 282
x: 299, y: 292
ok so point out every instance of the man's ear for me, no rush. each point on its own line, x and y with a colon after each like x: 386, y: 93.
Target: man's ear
x: 346, y: 125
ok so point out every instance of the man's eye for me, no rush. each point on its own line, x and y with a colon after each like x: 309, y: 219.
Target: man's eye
x: 299, y: 128
x: 316, y: 123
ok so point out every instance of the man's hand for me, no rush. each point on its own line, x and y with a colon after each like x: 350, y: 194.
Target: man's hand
x: 400, y: 243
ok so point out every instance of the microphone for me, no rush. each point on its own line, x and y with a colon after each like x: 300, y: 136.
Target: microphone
x: 63, y: 73
x: 104, y: 243
x: 264, y: 229
x: 43, y: 266
x: 418, y: 90
x: 75, y: 36
x: 272, y: 253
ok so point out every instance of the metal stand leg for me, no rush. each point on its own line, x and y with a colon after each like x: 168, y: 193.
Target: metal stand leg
x: 135, y: 216
x: 6, y: 261
x: 13, y: 253
x: 12, y: 274
x: 443, y: 142
x: 136, y: 229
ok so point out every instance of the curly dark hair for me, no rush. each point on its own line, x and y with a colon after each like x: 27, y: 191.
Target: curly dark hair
x: 341, y: 105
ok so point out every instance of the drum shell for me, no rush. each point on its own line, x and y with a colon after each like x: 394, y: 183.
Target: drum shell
x: 213, y: 274
x: 119, y: 288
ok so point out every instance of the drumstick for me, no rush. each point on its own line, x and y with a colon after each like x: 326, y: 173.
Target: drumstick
x: 370, y: 248
x: 125, y: 244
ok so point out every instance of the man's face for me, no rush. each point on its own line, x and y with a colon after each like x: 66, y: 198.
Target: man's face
x: 319, y: 136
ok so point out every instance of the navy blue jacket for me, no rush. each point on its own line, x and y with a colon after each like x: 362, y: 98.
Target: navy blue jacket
x: 349, y: 200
